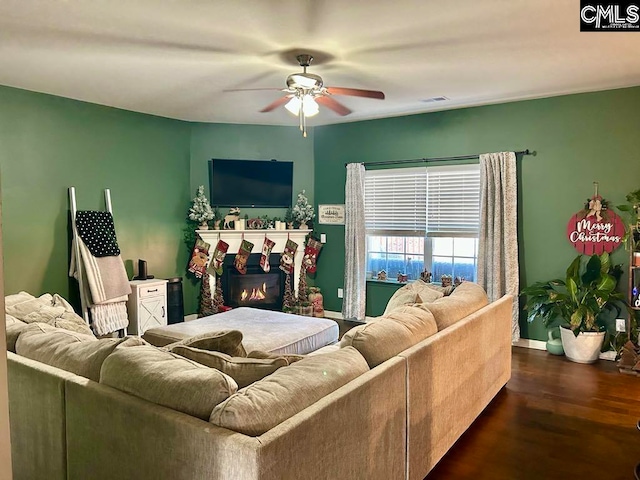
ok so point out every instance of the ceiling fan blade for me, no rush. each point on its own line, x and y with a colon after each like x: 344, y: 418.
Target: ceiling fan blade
x: 252, y: 89
x: 273, y: 105
x: 333, y: 105
x: 355, y: 92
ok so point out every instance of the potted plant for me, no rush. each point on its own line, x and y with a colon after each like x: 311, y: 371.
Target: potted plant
x: 581, y: 305
x: 631, y: 211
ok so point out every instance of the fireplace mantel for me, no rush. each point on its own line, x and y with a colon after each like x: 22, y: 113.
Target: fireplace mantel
x: 235, y: 237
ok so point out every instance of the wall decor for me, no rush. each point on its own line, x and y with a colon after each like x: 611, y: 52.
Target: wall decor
x: 596, y: 228
x: 331, y: 214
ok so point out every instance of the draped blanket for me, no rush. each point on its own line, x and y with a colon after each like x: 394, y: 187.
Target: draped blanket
x: 106, y: 288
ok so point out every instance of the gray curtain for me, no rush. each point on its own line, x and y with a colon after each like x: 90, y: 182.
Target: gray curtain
x: 498, y: 246
x: 355, y: 255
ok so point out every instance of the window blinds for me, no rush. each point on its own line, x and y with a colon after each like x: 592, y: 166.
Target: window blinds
x: 395, y: 201
x: 453, y: 201
x: 439, y: 201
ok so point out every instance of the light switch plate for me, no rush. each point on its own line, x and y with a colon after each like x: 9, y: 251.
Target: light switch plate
x: 340, y: 293
x: 620, y: 325
x: 323, y: 238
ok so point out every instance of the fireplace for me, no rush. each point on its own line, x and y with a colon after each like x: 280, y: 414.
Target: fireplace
x: 255, y: 288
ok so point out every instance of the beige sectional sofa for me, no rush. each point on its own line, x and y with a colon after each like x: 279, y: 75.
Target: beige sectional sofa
x: 387, y: 403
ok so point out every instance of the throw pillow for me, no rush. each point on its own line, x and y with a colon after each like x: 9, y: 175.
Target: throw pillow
x: 243, y: 370
x: 167, y: 379
x: 425, y: 291
x: 467, y: 298
x: 403, y: 296
x: 266, y: 403
x: 289, y: 357
x: 224, y: 341
x: 74, y: 352
x: 420, y: 286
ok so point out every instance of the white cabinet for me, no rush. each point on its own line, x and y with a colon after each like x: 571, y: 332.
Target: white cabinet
x: 147, y: 305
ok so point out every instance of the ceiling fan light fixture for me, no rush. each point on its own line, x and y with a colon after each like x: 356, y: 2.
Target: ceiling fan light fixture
x: 307, y: 103
x: 293, y: 106
x: 309, y: 106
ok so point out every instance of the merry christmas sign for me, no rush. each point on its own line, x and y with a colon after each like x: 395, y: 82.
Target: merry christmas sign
x: 595, y: 229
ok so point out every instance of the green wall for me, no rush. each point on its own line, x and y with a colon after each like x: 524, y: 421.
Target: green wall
x: 249, y: 142
x: 49, y: 143
x: 153, y: 166
x: 579, y: 139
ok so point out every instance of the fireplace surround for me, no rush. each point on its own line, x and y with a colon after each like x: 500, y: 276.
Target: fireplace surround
x: 280, y: 237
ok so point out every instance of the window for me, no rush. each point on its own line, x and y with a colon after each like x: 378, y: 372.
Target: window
x: 423, y: 218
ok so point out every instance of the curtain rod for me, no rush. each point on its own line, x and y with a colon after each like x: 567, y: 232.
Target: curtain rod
x: 436, y: 159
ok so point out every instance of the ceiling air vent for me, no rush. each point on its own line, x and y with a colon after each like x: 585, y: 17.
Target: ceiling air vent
x: 435, y: 99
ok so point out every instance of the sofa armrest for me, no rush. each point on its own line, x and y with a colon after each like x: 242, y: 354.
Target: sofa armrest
x: 452, y: 377
x: 37, y: 417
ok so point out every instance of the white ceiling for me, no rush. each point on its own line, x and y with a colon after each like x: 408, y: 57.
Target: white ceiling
x: 176, y: 58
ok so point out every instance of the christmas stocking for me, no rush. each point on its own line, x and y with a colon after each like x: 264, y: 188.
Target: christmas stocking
x: 311, y: 252
x: 218, y: 258
x: 199, y: 258
x: 242, y: 256
x: 267, y: 246
x: 286, y: 260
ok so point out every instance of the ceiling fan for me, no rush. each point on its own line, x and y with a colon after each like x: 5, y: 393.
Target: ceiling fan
x: 306, y: 90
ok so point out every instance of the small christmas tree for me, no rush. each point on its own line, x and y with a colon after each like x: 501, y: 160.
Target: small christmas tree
x: 218, y: 299
x: 200, y: 210
x: 206, y: 302
x: 287, y: 301
x: 303, y: 295
x: 302, y: 211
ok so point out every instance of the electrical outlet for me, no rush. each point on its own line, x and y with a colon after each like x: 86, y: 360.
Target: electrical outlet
x: 620, y: 325
x: 323, y: 238
x: 340, y: 293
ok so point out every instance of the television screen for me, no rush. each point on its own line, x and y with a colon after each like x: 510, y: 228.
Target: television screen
x: 250, y: 183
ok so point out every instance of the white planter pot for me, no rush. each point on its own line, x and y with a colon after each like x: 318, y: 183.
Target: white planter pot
x: 585, y: 348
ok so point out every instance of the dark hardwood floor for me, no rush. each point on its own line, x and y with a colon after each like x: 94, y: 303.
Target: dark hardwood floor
x: 555, y: 419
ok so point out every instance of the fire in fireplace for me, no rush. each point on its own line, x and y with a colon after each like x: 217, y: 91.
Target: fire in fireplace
x: 255, y: 288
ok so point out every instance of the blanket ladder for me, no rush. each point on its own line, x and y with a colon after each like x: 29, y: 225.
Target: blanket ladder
x: 79, y: 267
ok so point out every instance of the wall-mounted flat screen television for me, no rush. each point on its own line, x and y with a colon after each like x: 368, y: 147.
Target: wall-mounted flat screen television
x: 250, y: 183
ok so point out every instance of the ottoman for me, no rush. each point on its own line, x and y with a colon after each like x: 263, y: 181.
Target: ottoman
x: 265, y: 330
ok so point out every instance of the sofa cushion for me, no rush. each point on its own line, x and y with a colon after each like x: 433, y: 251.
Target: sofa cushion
x: 243, y: 370
x: 289, y: 357
x: 402, y: 296
x: 167, y: 379
x: 263, y: 405
x: 429, y: 292
x: 224, y: 341
x: 74, y: 352
x: 391, y: 334
x: 468, y: 297
x: 14, y: 329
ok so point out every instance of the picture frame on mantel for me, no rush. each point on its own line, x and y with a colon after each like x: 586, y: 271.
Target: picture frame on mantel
x: 331, y: 214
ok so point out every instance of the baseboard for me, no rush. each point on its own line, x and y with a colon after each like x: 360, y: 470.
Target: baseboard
x: 528, y: 343
x: 188, y: 318
x: 541, y: 345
